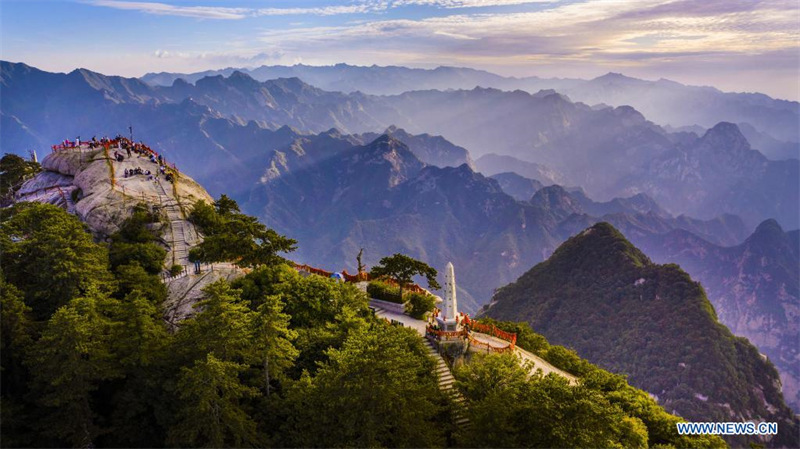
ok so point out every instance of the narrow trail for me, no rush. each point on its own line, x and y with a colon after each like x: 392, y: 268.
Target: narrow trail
x: 443, y: 373
x: 183, y: 233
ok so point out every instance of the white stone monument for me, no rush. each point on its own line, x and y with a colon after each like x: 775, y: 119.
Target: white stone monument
x: 449, y: 312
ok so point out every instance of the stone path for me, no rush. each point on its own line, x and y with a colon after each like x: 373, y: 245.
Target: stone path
x: 443, y: 373
x: 183, y: 233
x: 447, y: 384
x: 537, y: 363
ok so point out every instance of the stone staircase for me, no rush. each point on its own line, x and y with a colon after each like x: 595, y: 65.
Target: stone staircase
x: 183, y: 233
x: 445, y: 376
x: 446, y: 384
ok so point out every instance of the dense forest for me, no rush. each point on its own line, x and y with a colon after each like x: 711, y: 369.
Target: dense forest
x: 272, y: 358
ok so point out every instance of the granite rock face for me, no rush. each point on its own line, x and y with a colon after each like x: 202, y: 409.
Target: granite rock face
x: 94, y: 187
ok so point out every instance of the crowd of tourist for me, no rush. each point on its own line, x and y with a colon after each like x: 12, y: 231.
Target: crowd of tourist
x: 130, y: 148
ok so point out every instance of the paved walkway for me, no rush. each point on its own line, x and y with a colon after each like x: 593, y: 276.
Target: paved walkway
x: 537, y: 363
x: 524, y: 356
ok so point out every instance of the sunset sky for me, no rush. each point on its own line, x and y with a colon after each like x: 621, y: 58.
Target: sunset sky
x: 734, y: 45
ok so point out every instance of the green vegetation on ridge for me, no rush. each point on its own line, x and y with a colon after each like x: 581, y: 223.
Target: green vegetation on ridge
x: 601, y: 296
x: 271, y: 359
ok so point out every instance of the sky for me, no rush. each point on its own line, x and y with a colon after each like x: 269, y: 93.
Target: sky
x: 734, y: 45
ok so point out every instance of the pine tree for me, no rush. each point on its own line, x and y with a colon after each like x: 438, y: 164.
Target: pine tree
x: 273, y: 337
x: 222, y: 327
x: 48, y: 254
x: 211, y: 412
x: 378, y: 390
x: 139, y: 340
x: 402, y: 270
x: 67, y: 363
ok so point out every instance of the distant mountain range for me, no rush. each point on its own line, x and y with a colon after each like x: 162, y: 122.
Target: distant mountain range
x: 603, y: 297
x: 754, y: 286
x: 336, y: 196
x: 665, y: 102
x: 336, y: 172
x: 610, y: 152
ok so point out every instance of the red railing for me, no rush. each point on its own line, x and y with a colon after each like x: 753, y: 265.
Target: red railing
x: 488, y: 347
x: 445, y: 334
x: 490, y: 329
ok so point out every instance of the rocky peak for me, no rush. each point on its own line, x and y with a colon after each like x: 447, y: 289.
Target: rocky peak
x: 392, y: 155
x: 768, y: 234
x: 557, y: 200
x: 242, y: 80
x: 725, y: 136
x: 614, y: 77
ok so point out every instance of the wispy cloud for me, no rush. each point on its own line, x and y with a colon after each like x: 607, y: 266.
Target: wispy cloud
x: 360, y: 7
x: 587, y: 30
x: 163, y: 9
x: 226, y: 13
x: 454, y: 35
x: 467, y: 3
x: 753, y: 39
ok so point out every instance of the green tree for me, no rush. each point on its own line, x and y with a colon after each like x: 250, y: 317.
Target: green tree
x: 17, y: 332
x: 509, y: 409
x: 402, y: 270
x: 15, y: 170
x: 222, y: 327
x: 211, y: 413
x: 419, y: 304
x: 133, y: 277
x: 139, y: 342
x: 67, y: 364
x: 322, y: 312
x: 273, y: 339
x: 49, y: 255
x: 136, y: 241
x: 230, y: 235
x: 378, y: 390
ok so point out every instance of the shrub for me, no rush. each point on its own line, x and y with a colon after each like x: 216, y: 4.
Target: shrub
x: 384, y: 291
x: 149, y: 255
x: 418, y: 304
x: 176, y: 270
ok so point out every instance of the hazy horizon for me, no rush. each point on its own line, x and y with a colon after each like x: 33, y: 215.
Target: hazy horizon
x: 738, y: 46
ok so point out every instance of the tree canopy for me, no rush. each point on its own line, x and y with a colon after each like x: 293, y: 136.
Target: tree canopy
x: 15, y: 170
x: 402, y: 269
x: 272, y: 358
x: 231, y: 236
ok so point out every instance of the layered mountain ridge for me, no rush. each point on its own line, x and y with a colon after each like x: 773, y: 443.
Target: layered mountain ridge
x: 610, y: 152
x: 664, y: 101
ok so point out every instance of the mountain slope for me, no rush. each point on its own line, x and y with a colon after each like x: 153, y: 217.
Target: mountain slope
x: 602, y: 296
x: 721, y: 173
x: 755, y: 289
x: 519, y: 187
x: 432, y: 150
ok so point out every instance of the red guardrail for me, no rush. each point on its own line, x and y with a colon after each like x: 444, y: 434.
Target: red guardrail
x: 490, y: 329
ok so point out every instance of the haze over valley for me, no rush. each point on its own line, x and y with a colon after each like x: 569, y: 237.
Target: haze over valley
x: 636, y: 199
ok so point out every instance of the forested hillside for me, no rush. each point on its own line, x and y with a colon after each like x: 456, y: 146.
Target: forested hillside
x: 270, y: 359
x: 603, y: 297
